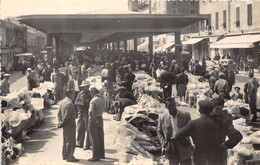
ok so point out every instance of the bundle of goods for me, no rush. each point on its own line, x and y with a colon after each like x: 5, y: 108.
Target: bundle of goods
x: 137, y: 134
x: 195, y: 89
x: 10, y: 150
x: 244, y: 150
x: 140, y: 139
x: 238, y: 109
x: 146, y: 103
x: 144, y: 83
x: 15, y: 121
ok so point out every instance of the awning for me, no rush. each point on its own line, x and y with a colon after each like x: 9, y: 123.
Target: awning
x: 81, y: 48
x: 243, y: 41
x: 192, y: 41
x: 43, y: 52
x: 164, y: 48
x: 24, y: 55
x: 143, y: 46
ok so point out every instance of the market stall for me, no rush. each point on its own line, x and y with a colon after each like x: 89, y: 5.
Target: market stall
x: 21, y: 111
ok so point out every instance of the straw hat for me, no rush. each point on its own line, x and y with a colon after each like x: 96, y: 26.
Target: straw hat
x: 85, y: 83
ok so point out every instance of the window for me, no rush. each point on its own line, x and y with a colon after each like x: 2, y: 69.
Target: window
x: 224, y: 19
x: 238, y: 17
x: 249, y: 14
x: 174, y: 11
x: 216, y: 17
x: 192, y: 3
x: 174, y: 2
x: 192, y: 11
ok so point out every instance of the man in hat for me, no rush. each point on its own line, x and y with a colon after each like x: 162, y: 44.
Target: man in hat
x: 237, y: 95
x: 231, y: 77
x: 167, y: 79
x: 168, y: 125
x: 96, y: 109
x: 251, y: 92
x: 226, y: 129
x: 82, y: 102
x: 83, y: 70
x: 5, y: 85
x: 205, y: 136
x: 30, y: 79
x: 121, y: 72
x: 57, y: 79
x: 198, y: 69
x: 66, y: 118
x: 124, y: 98
x: 181, y: 83
x: 129, y: 78
x: 221, y: 87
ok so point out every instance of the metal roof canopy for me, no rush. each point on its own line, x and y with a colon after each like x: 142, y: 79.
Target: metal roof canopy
x: 104, y: 28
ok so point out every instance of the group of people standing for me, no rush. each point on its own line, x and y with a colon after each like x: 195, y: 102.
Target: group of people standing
x: 88, y: 107
x: 221, y: 82
x: 208, y: 133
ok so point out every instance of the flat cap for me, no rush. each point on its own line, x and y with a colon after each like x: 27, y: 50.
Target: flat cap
x: 205, y: 106
x: 218, y: 101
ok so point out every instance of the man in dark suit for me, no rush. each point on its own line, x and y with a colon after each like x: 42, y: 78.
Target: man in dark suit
x: 66, y: 118
x: 208, y: 137
x: 226, y: 128
x: 167, y: 80
x: 168, y: 125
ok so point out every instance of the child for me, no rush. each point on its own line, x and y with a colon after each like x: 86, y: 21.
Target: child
x: 237, y: 95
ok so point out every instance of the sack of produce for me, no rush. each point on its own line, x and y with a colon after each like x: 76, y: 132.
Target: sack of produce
x: 38, y: 103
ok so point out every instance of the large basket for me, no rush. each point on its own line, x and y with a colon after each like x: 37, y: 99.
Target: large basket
x: 19, y: 128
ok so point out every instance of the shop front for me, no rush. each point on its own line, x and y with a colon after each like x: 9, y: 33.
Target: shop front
x: 245, y: 46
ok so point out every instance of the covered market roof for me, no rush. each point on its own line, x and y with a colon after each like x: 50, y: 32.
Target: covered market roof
x: 103, y: 26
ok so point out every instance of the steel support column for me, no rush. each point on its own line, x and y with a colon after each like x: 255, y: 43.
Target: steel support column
x: 118, y: 46
x: 125, y: 45
x: 150, y: 48
x: 178, y: 49
x: 109, y: 46
x: 57, y: 48
x: 113, y: 46
x: 135, y: 44
x: 49, y: 49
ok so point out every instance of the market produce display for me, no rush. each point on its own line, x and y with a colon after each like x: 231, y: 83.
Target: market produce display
x: 137, y: 134
x: 144, y: 83
x: 244, y: 150
x: 23, y: 110
x: 238, y: 109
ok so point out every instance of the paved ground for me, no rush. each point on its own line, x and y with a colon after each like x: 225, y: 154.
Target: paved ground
x: 45, y: 148
x: 17, y: 80
x: 46, y: 144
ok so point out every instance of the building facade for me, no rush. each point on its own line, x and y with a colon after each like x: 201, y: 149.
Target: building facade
x: 172, y: 7
x: 13, y: 40
x: 36, y: 41
x: 16, y: 39
x: 237, y: 20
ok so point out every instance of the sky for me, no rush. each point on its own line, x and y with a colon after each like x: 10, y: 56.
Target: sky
x: 14, y: 8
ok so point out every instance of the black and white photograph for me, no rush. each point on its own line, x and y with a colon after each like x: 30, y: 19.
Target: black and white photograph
x: 130, y: 82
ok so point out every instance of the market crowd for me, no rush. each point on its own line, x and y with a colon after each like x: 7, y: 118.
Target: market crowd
x: 86, y: 102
